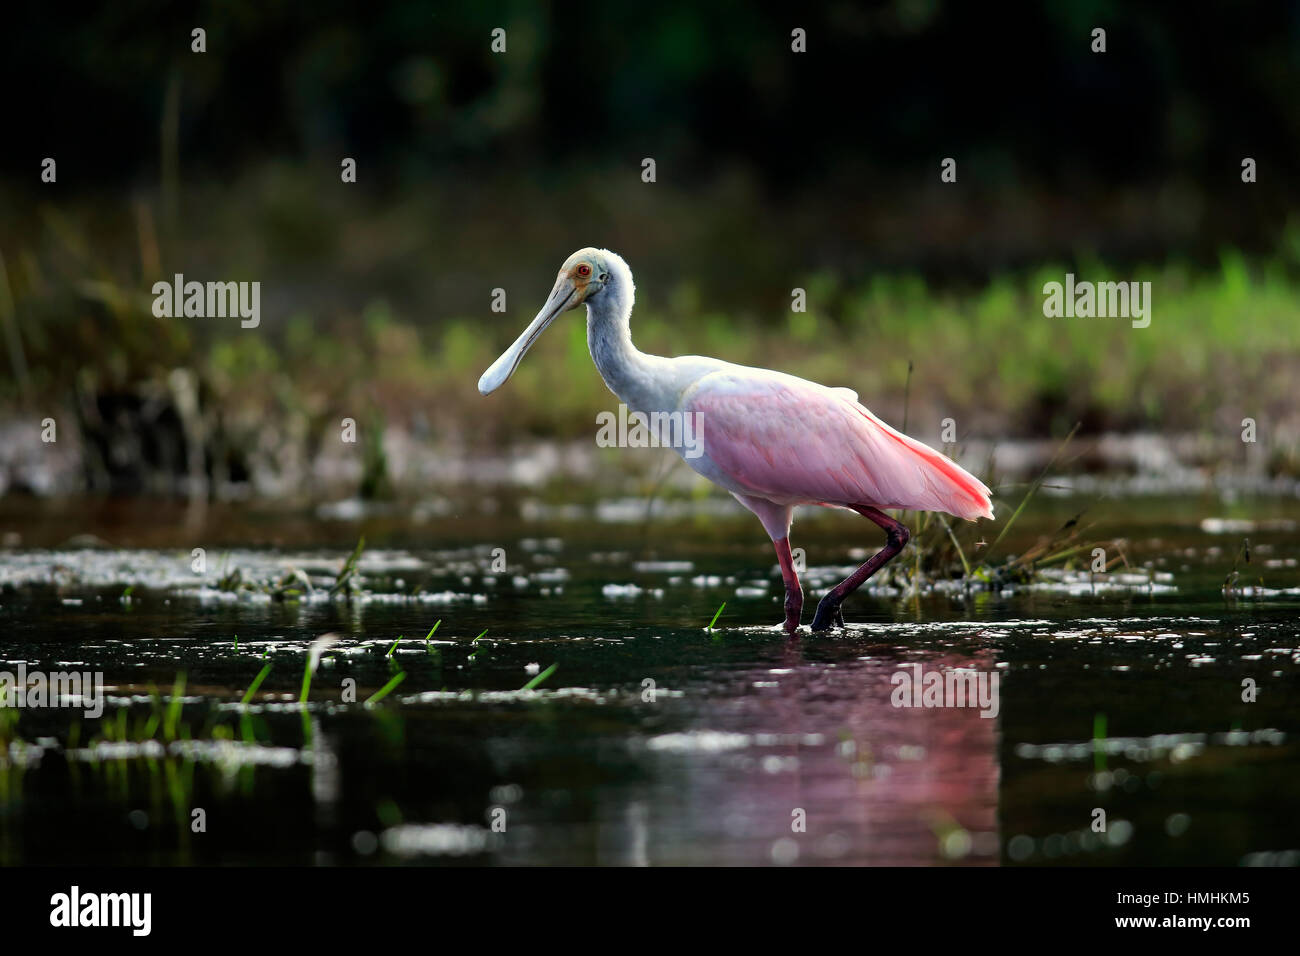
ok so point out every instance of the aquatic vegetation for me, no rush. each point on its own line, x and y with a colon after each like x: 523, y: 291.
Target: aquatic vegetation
x: 937, y: 554
x: 347, y: 583
x: 1232, y: 585
x: 172, y: 719
x: 537, y: 681
x: 227, y: 733
x: 1098, y: 737
x: 716, y: 615
x: 384, y: 691
x: 257, y: 682
x: 318, y: 647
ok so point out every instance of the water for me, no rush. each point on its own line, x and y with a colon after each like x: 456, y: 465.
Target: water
x: 654, y: 740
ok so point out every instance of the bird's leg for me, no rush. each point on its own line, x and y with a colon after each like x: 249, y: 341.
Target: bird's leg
x: 896, y: 535
x: 793, y: 592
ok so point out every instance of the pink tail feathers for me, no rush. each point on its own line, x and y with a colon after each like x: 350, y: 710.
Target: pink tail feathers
x: 961, y: 493
x: 967, y: 496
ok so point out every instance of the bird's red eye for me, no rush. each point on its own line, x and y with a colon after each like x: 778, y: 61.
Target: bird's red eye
x: 584, y: 270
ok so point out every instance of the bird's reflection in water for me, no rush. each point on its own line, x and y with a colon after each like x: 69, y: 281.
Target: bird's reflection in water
x: 815, y: 764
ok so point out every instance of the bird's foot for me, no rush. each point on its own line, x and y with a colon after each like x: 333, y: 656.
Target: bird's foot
x: 793, y: 610
x: 830, y: 614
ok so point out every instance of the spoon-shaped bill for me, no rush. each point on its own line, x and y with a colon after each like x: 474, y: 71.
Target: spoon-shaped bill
x: 562, y: 298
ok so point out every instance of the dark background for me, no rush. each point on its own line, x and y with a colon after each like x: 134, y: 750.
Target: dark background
x: 886, y: 90
x: 775, y: 170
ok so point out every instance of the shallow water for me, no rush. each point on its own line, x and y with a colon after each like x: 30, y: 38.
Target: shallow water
x: 654, y: 740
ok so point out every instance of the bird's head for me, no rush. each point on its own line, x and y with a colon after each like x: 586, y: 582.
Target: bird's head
x: 584, y: 275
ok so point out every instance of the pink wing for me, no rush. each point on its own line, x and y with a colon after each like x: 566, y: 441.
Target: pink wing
x: 794, y: 441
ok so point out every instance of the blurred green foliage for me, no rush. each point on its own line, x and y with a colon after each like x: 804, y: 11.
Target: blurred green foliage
x: 776, y: 170
x: 1222, y: 343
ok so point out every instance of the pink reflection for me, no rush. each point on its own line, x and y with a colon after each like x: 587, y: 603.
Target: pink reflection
x: 874, y: 784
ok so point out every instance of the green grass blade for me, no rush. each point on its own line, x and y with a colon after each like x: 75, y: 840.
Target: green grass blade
x: 174, y: 707
x: 257, y: 682
x: 1034, y: 486
x: 348, y: 571
x: 384, y: 691
x: 306, y: 682
x: 540, y: 677
x: 715, y: 617
x: 965, y: 565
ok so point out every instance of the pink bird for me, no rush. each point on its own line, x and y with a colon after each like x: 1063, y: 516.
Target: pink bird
x: 773, y: 440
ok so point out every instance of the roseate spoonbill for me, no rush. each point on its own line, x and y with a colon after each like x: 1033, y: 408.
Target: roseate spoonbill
x: 773, y: 440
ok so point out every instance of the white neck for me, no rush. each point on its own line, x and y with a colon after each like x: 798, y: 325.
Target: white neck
x: 629, y: 373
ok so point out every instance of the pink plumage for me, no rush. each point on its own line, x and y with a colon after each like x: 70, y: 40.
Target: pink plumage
x: 772, y: 440
x: 795, y: 442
